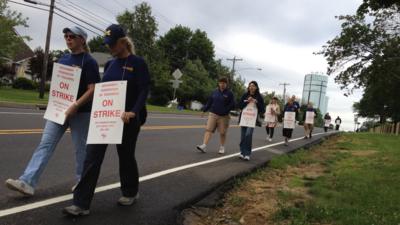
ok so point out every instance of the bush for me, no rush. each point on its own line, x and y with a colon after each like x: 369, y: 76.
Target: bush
x: 23, y: 83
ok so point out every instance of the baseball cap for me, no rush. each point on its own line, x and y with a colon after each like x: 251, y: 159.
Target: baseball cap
x: 77, y: 31
x: 113, y: 33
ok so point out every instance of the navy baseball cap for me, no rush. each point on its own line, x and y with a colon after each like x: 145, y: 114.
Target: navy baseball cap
x: 113, y: 33
x: 77, y: 31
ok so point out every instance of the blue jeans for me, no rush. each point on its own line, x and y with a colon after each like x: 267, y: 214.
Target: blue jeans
x: 246, y: 140
x: 52, y: 134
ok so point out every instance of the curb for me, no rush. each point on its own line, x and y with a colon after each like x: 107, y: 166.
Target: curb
x: 22, y: 105
x: 200, y: 205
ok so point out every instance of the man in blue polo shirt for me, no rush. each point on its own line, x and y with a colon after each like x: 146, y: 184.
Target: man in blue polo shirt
x: 220, y: 103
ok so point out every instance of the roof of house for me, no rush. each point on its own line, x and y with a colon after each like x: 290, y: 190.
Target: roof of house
x: 25, y: 52
x: 101, y: 58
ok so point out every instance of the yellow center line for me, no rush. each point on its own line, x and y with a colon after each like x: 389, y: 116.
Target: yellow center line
x: 169, y: 127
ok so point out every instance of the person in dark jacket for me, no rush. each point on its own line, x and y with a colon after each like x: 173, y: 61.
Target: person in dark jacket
x: 252, y: 96
x: 327, y: 121
x: 338, y: 121
x: 125, y: 66
x: 287, y: 132
x: 309, y: 126
x: 220, y: 103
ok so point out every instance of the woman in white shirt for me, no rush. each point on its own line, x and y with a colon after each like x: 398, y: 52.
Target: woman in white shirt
x: 271, y: 117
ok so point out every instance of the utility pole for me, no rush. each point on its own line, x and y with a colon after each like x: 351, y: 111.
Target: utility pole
x: 234, y: 59
x: 284, y: 92
x: 47, y: 46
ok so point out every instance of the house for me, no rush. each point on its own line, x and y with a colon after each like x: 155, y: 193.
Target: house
x: 102, y: 59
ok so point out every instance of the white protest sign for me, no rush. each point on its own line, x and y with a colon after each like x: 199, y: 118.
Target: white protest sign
x: 106, y: 125
x: 269, y: 116
x: 289, y: 120
x: 337, y: 122
x: 309, y: 117
x: 249, y: 116
x: 327, y: 123
x: 63, y: 91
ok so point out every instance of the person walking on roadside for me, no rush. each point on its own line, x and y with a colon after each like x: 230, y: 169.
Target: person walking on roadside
x: 289, y: 120
x: 309, y: 119
x: 77, y: 116
x: 327, y: 122
x: 338, y: 122
x: 272, y: 111
x: 125, y: 66
x: 252, y: 96
x: 220, y: 103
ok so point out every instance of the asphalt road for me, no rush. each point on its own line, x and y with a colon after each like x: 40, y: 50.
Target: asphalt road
x: 172, y: 172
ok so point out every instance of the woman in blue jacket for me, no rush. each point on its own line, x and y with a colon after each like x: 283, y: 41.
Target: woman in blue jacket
x: 251, y: 96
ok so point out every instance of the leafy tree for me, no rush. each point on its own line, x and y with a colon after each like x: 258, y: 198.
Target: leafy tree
x: 36, y: 63
x: 141, y: 27
x: 96, y: 44
x: 8, y: 21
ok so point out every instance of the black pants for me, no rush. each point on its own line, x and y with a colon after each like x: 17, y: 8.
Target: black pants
x: 270, y: 131
x: 128, y: 170
x: 326, y: 129
x: 287, y: 132
x: 337, y: 127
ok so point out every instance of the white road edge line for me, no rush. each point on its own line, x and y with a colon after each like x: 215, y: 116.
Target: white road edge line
x: 63, y: 198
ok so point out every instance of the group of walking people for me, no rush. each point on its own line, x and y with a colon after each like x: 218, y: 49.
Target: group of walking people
x: 127, y: 66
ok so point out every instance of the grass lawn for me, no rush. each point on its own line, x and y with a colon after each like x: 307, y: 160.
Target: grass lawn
x: 350, y: 179
x: 11, y: 95
x: 21, y: 96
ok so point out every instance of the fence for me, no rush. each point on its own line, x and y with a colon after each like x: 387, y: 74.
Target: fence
x: 388, y: 128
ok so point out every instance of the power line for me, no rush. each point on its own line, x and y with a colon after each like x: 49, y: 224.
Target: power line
x: 83, y: 15
x: 91, y: 13
x: 94, y: 32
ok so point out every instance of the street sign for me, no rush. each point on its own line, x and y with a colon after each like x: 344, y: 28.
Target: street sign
x: 175, y: 83
x: 177, y: 74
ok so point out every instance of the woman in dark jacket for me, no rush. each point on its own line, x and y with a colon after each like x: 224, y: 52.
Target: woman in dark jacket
x: 125, y: 66
x: 251, y: 96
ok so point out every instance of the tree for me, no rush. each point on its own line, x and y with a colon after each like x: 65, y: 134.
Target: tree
x: 366, y: 55
x: 8, y: 21
x: 175, y: 45
x: 202, y: 48
x: 96, y: 44
x: 36, y: 63
x: 141, y: 27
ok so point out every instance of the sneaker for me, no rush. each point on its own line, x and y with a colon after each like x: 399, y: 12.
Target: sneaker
x: 247, y: 158
x: 20, y: 186
x: 202, y: 148
x: 310, y: 136
x: 73, y: 187
x: 286, y: 141
x: 74, y: 210
x: 221, y: 150
x: 270, y: 139
x: 305, y: 137
x: 127, y: 201
x: 241, y: 156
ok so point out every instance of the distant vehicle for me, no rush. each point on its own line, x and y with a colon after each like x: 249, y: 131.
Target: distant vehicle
x: 234, y: 113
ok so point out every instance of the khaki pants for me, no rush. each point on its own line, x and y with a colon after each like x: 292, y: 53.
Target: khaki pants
x: 308, y: 128
x: 215, y: 121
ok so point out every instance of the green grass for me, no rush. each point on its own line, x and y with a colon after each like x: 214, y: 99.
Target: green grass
x: 362, y: 187
x: 11, y: 95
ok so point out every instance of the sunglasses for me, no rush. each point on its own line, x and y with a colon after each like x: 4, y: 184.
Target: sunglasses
x: 69, y: 36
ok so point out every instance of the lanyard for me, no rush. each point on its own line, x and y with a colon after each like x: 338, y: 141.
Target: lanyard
x: 124, y: 68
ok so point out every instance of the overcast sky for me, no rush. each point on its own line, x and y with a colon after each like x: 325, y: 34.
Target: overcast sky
x: 277, y: 36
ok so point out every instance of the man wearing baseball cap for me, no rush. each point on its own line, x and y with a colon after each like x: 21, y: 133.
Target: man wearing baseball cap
x: 125, y: 66
x: 77, y: 115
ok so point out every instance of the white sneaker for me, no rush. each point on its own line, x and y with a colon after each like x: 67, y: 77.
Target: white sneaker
x: 241, y: 156
x: 202, y: 148
x: 20, y: 186
x: 127, y: 201
x: 286, y: 141
x: 73, y: 187
x: 247, y: 158
x: 74, y: 210
x: 270, y: 139
x: 221, y: 150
